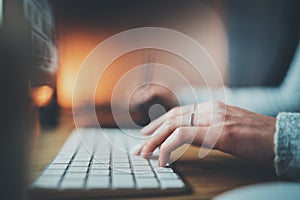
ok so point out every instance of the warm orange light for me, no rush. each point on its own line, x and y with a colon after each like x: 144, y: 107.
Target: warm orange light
x: 74, y: 46
x: 42, y: 95
x: 75, y: 43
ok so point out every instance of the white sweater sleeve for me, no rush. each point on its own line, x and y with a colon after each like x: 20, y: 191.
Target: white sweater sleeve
x: 287, y: 145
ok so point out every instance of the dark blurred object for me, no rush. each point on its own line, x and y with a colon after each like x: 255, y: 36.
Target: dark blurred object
x: 25, y: 63
x: 15, y: 101
x: 263, y: 36
x: 49, y: 114
x: 154, y: 107
x: 40, y: 19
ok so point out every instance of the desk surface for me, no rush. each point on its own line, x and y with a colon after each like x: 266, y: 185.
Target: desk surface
x: 216, y: 173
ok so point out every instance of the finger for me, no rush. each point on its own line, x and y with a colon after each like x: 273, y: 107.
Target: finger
x: 139, y: 148
x: 150, y: 128
x: 203, y: 115
x: 170, y: 144
x: 182, y: 135
x: 146, y: 154
x: 198, y: 119
x: 161, y: 135
x: 186, y: 135
x: 151, y: 155
x: 166, y: 129
x: 206, y: 136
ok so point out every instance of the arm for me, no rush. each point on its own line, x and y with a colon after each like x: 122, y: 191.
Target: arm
x: 264, y: 100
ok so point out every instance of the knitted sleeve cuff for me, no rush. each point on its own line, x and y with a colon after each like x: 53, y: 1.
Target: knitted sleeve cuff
x: 287, y: 145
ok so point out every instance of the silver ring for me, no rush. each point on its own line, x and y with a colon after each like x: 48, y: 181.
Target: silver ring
x: 192, y: 119
x: 192, y: 115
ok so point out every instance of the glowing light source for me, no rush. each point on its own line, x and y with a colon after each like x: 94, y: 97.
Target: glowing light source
x: 42, y: 95
x: 74, y: 46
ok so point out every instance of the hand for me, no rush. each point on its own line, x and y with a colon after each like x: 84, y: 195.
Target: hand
x: 153, y: 94
x: 242, y: 133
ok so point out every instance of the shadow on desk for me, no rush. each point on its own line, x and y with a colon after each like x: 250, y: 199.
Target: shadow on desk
x: 219, y: 172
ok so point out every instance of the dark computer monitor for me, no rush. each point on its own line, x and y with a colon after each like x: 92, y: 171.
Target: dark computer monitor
x: 28, y: 61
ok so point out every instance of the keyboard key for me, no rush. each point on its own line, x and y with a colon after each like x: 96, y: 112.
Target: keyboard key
x: 100, y: 166
x: 77, y: 169
x: 72, y: 184
x: 97, y: 182
x: 58, y: 166
x: 121, y: 160
x: 66, y: 155
x: 83, y: 152
x: 47, y: 182
x: 122, y: 181
x: 48, y: 172
x: 140, y: 162
x: 142, y: 168
x: 166, y: 176
x: 61, y: 161
x: 101, y: 161
x: 110, y: 168
x: 82, y: 158
x: 119, y: 156
x: 80, y: 164
x: 75, y: 176
x: 154, y: 163
x: 121, y: 165
x: 175, y: 183
x: 144, y: 174
x: 94, y: 172
x: 103, y: 153
x: 147, y: 183
x: 121, y: 171
x: 137, y: 160
x: 163, y: 170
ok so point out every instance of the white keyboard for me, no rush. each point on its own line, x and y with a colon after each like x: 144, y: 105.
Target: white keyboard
x: 98, y: 163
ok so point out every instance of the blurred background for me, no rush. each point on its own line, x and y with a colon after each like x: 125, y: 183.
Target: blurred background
x: 81, y: 26
x: 252, y: 43
x: 43, y: 44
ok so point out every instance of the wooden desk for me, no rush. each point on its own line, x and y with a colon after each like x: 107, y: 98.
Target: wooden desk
x: 216, y: 173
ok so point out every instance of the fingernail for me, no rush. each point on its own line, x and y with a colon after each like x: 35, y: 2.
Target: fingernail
x: 161, y: 164
x: 143, y: 154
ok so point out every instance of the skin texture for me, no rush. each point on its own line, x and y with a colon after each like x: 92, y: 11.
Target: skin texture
x: 215, y: 125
